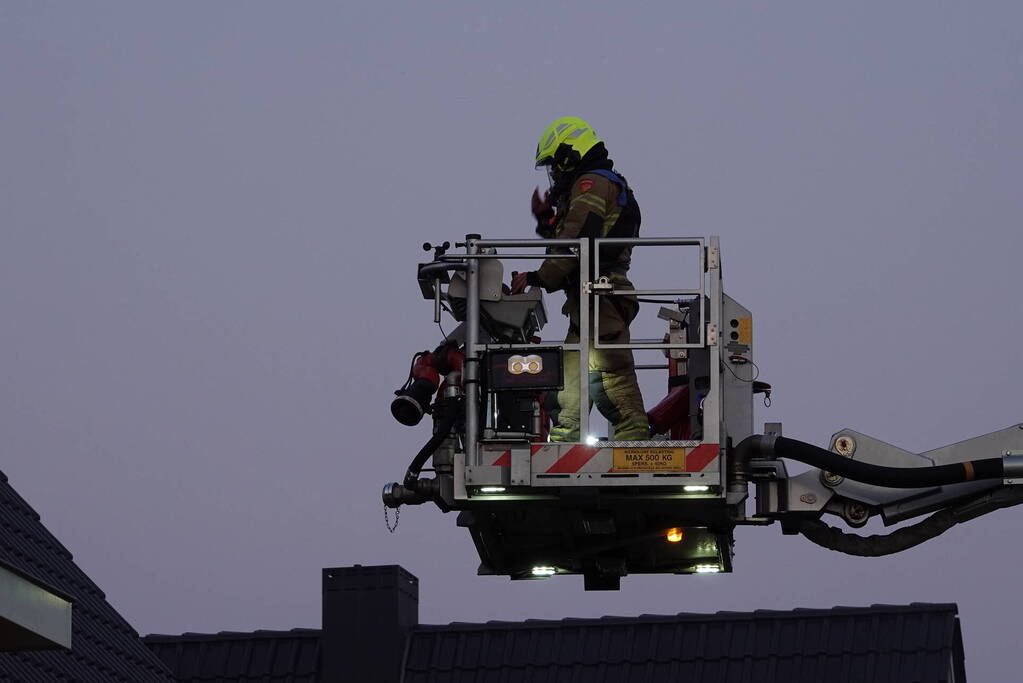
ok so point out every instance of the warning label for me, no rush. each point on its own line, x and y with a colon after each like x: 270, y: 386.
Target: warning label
x: 745, y: 330
x: 649, y: 460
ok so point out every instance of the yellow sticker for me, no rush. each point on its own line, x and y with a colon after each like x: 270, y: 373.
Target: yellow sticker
x: 745, y: 330
x: 649, y: 460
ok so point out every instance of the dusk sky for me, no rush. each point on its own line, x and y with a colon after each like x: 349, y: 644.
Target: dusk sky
x: 210, y: 216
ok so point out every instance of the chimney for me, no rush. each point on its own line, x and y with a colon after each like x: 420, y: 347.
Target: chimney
x: 368, y: 614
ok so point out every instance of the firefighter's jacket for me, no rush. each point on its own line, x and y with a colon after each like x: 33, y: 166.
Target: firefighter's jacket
x: 596, y: 208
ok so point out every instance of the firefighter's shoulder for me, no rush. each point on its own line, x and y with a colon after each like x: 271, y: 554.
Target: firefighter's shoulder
x: 592, y: 184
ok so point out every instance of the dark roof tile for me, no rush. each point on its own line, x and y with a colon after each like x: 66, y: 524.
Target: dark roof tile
x: 237, y: 657
x: 465, y: 676
x: 472, y: 644
x: 544, y: 649
x: 419, y: 655
x: 616, y: 643
x: 493, y: 654
x: 880, y: 643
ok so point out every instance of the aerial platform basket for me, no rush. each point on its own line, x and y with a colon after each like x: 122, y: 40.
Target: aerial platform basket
x: 598, y: 506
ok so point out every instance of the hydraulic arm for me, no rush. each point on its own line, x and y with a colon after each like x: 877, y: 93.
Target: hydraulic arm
x: 860, y: 477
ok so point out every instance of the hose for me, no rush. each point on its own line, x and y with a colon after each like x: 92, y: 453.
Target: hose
x: 759, y: 446
x: 907, y: 537
x: 444, y: 427
x: 833, y: 538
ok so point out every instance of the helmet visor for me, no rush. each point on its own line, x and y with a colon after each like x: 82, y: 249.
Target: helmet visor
x: 551, y: 172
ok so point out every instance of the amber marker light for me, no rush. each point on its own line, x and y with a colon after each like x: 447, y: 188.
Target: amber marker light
x: 674, y: 535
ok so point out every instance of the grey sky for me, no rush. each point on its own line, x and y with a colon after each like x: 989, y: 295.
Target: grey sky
x: 210, y: 215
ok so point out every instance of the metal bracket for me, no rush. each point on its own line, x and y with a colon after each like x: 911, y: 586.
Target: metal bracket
x: 520, y: 466
x: 767, y: 470
x: 671, y: 315
x: 1012, y: 481
x: 712, y: 334
x: 713, y: 257
x: 601, y: 286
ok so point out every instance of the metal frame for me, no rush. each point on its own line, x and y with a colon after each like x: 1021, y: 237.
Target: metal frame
x: 710, y: 316
x: 701, y: 292
x: 477, y: 248
x: 473, y: 347
x: 712, y: 403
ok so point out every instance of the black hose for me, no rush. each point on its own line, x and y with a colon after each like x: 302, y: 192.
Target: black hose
x: 907, y: 537
x: 878, y: 475
x: 440, y: 433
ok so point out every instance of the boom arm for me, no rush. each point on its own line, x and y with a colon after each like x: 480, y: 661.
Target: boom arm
x: 861, y: 477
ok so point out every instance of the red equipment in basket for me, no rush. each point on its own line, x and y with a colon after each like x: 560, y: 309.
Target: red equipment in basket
x: 413, y: 399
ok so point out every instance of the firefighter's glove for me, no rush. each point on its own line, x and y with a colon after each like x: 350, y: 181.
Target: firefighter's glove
x: 543, y: 213
x: 522, y: 280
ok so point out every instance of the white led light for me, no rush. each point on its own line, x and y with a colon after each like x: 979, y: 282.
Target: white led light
x: 515, y: 364
x: 491, y: 489
x: 531, y: 364
x: 695, y: 488
x: 592, y: 440
x: 707, y: 569
x: 544, y: 571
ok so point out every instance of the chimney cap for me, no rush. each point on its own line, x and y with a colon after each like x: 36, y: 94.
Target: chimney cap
x: 363, y: 577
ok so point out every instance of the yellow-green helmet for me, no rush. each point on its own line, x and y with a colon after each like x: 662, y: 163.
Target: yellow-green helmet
x: 564, y: 143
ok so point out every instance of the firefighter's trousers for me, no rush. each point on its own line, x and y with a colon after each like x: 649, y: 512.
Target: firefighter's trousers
x: 612, y: 381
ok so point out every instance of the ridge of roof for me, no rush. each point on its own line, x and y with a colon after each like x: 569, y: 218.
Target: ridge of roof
x: 232, y: 635
x: 724, y: 615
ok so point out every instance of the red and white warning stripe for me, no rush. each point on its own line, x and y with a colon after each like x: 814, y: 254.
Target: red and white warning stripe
x: 557, y: 458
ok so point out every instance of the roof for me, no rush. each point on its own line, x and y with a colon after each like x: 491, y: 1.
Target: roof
x: 918, y: 642
x: 104, y: 647
x: 882, y: 643
x: 265, y: 656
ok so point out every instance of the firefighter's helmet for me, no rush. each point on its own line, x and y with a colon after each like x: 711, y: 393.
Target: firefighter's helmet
x: 564, y: 143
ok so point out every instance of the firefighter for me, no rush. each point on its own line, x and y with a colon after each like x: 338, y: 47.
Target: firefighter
x: 587, y: 198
